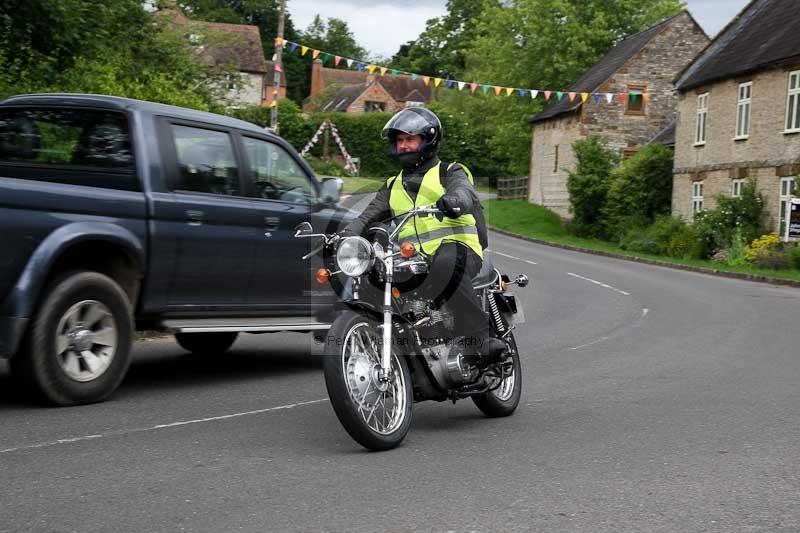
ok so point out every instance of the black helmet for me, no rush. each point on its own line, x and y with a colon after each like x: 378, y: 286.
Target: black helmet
x: 414, y: 121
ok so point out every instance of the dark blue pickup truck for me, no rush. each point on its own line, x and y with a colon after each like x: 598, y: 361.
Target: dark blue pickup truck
x: 119, y: 215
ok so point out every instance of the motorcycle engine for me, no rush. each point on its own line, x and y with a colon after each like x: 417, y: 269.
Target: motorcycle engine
x: 443, y: 352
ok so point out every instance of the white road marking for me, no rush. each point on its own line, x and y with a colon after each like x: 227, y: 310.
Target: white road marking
x: 513, y: 257
x: 590, y: 280
x: 159, y: 426
x: 590, y: 343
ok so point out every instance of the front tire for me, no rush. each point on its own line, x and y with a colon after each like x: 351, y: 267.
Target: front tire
x: 503, y: 401
x: 78, y: 348
x: 375, y: 418
x: 206, y: 344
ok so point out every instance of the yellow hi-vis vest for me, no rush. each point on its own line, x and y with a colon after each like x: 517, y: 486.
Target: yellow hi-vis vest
x: 428, y: 233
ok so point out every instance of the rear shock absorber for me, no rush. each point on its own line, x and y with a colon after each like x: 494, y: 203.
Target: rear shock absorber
x: 500, y: 324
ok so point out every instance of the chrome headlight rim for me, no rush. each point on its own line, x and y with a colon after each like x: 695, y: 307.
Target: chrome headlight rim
x: 354, y: 256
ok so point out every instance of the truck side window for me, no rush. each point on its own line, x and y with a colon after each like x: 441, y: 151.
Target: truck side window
x: 65, y: 137
x: 275, y: 173
x: 206, y: 161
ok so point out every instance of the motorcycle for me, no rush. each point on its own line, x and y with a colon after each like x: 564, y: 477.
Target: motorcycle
x: 389, y: 345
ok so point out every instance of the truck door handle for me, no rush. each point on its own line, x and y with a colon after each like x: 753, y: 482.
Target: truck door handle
x: 195, y: 218
x: 272, y: 223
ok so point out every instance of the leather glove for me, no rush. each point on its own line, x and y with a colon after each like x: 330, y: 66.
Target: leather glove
x: 449, y: 206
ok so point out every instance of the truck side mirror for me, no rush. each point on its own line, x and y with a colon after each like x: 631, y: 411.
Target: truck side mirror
x: 330, y: 191
x: 303, y: 228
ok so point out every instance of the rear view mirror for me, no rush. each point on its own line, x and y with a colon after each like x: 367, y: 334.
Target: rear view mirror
x: 330, y: 191
x: 303, y: 228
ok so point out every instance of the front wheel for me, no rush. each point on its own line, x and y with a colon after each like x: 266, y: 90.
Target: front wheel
x: 503, y: 400
x: 377, y: 415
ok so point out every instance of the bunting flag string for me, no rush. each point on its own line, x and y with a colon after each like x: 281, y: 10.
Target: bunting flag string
x: 486, y: 88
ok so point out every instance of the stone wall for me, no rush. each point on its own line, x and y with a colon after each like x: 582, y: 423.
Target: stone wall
x: 547, y: 185
x: 767, y: 154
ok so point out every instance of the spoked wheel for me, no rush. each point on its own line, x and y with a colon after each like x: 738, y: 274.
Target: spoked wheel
x: 376, y: 414
x: 503, y: 400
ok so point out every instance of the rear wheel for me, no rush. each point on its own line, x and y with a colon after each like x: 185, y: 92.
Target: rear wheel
x: 206, y: 344
x: 78, y: 347
x: 376, y: 415
x: 503, y: 400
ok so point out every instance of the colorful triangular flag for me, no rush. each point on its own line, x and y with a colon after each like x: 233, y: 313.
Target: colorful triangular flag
x: 325, y: 57
x: 645, y: 97
x: 449, y: 83
x: 437, y: 82
x: 336, y: 60
x: 315, y: 53
x: 547, y: 95
x: 621, y: 97
x: 521, y: 92
x: 293, y: 48
x: 414, y: 77
x: 485, y: 88
x: 609, y: 97
x: 534, y: 94
x: 461, y: 85
x: 371, y: 68
x: 571, y: 96
x: 394, y: 73
x: 473, y: 87
x: 426, y: 80
x: 278, y: 41
x: 559, y: 95
x: 303, y: 50
x: 584, y: 97
x: 497, y: 90
x: 349, y: 63
x: 596, y: 98
x: 278, y: 68
x: 383, y: 70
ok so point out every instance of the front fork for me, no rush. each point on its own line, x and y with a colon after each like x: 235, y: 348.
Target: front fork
x: 386, y: 355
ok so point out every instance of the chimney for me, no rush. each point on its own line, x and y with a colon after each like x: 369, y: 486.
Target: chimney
x: 317, y: 82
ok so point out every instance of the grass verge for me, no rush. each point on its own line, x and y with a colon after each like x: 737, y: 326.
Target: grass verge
x: 536, y: 222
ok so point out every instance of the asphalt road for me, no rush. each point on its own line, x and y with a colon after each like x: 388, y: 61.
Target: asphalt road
x: 654, y: 400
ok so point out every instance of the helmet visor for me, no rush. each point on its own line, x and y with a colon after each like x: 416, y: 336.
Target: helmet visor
x: 406, y: 122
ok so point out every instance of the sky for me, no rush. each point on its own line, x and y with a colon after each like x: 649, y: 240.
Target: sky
x: 382, y: 26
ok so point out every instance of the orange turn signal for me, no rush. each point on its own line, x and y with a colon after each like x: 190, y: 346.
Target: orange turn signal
x: 407, y: 249
x: 395, y: 292
x: 323, y: 276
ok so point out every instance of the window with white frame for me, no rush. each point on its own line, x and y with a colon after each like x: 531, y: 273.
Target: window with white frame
x: 785, y: 200
x: 743, y: 110
x: 738, y: 184
x: 702, y: 119
x: 697, y: 196
x: 793, y: 103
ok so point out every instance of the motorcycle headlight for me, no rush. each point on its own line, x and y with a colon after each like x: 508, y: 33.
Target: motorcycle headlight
x: 354, y: 256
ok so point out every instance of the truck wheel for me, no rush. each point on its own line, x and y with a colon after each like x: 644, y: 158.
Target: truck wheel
x: 206, y: 344
x: 78, y: 348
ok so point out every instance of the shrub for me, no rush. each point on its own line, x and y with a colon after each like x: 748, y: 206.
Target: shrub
x: 735, y: 254
x: 588, y: 185
x: 793, y: 251
x: 668, y: 235
x: 716, y: 227
x: 327, y: 168
x: 640, y: 188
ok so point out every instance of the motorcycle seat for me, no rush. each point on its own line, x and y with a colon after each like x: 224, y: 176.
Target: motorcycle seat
x: 487, y: 273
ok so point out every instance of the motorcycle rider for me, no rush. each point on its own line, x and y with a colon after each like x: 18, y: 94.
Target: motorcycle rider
x: 456, y: 242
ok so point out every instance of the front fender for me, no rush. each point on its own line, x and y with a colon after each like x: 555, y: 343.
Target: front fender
x: 22, y: 299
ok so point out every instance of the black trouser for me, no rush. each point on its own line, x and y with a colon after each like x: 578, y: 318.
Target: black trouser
x: 450, y: 280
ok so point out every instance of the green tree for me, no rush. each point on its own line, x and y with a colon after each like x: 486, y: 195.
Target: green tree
x: 99, y: 46
x: 441, y: 49
x: 588, y: 185
x: 549, y: 43
x: 640, y: 189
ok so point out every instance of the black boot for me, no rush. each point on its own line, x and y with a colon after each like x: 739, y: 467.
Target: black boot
x: 493, y: 350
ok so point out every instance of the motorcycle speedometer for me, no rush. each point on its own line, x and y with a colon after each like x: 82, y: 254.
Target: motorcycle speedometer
x: 354, y: 256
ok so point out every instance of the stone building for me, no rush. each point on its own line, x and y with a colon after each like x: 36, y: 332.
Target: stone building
x: 739, y: 113
x: 644, y: 63
x: 350, y: 91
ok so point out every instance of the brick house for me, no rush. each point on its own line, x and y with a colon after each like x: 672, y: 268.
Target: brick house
x: 646, y: 62
x: 235, y: 46
x: 739, y: 112
x: 349, y: 91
